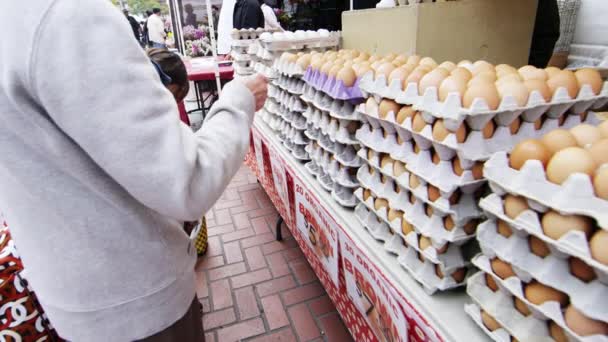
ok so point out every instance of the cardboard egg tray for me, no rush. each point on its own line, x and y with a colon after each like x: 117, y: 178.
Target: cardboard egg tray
x: 379, y: 230
x: 313, y: 114
x: 292, y: 85
x: 289, y: 69
x: 243, y: 71
x: 551, y: 270
x: 265, y: 71
x: 333, y: 87
x: 336, y: 129
x: 292, y: 102
x: 240, y: 57
x: 449, y: 260
x: 346, y: 155
x: 263, y: 54
x: 451, y: 109
x: 573, y: 243
x: 344, y: 196
x: 548, y: 310
x: 475, y: 147
x: 439, y: 175
x: 465, y: 209
x: 500, y: 305
x: 340, y: 174
x: 296, y: 119
x: 246, y: 34
x: 296, y: 136
x: 574, y: 196
x: 273, y: 43
x: 338, y: 109
x: 298, y: 151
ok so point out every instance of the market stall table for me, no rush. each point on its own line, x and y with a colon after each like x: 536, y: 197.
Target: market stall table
x: 201, y: 71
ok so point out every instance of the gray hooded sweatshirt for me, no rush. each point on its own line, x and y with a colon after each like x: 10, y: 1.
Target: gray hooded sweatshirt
x: 97, y: 173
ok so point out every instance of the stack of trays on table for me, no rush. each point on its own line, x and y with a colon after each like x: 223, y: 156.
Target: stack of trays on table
x: 246, y: 50
x: 300, y: 40
x: 428, y: 129
x: 544, y: 258
x: 331, y: 125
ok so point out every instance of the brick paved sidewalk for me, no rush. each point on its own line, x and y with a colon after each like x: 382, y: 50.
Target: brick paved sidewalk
x: 254, y: 288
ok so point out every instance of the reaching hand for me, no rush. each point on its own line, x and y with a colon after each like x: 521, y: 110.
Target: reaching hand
x: 258, y: 85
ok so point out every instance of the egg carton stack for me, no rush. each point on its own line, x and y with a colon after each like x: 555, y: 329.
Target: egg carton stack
x: 246, y: 51
x: 544, y: 260
x: 437, y: 124
x: 331, y: 126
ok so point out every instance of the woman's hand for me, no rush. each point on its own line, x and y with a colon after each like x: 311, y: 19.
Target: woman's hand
x: 258, y: 85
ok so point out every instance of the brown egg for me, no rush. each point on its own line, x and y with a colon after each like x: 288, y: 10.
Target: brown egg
x: 317, y: 65
x: 464, y: 62
x: 569, y: 161
x: 424, y: 242
x: 538, y: 247
x: 432, y: 79
x: 364, y: 69
x: 565, y: 79
x: 488, y: 130
x: 452, y: 84
x: 515, y: 125
x: 448, y: 223
x: 600, y: 183
x: 603, y: 127
x: 557, y: 140
x: 489, y: 322
x: 370, y: 156
x: 491, y: 283
x: 394, y: 214
x: 406, y: 227
x: 487, y: 92
x: 552, y: 71
x: 504, y: 69
x: 347, y: 75
x: 538, y: 124
x: 435, y: 158
x: 471, y: 226
x: 418, y: 123
x: 581, y: 270
x: 440, y: 132
x: 598, y: 244
x: 428, y: 61
x: 502, y: 269
x: 477, y: 170
x: 541, y: 87
x: 398, y: 168
x: 386, y: 106
x: 586, y: 134
x: 414, y: 181
x: 521, y: 307
x: 458, y: 170
x: 438, y: 272
x: 591, y: 77
x: 385, y: 160
x: 327, y: 67
x: 367, y: 194
x: 516, y: 89
x: 333, y: 72
x: 509, y: 78
x: 599, y: 151
x: 404, y: 113
x: 433, y: 193
x: 503, y: 228
x: 529, y: 149
x: 538, y: 294
x: 459, y: 274
x: 483, y: 77
x: 400, y: 74
x: 414, y: 59
x: 449, y: 66
x: 385, y: 69
x: 482, y: 66
x: 556, y: 225
x: 529, y: 72
x: 429, y: 210
x: 414, y: 77
x: 557, y: 333
x: 380, y: 203
x: 515, y: 205
x: 371, y: 106
x: 583, y: 325
x: 462, y: 73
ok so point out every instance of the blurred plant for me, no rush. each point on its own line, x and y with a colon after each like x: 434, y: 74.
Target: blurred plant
x: 193, y: 33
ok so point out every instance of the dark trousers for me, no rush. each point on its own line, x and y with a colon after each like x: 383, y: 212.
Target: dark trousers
x: 188, y: 329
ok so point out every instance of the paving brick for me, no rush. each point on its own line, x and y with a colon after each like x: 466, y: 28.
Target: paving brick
x: 264, y: 201
x: 251, y: 278
x: 248, y: 187
x: 218, y: 318
x: 260, y: 225
x: 221, y: 295
x: 255, y: 258
x: 210, y: 221
x: 210, y: 337
x: 244, y: 208
x: 206, y: 304
x: 241, y: 221
x: 303, y: 322
x: 241, y: 330
x: 302, y: 293
x: 274, y: 312
x: 284, y: 335
x: 206, y: 262
x: 228, y: 204
x: 246, y: 302
x: 227, y: 271
x: 202, y: 288
x: 294, y: 253
x: 276, y: 286
x: 214, y: 246
x: 262, y: 212
x: 230, y: 195
x: 233, y: 252
x: 257, y: 240
x: 219, y: 230
x: 222, y: 217
x: 278, y: 265
x: 334, y: 329
x: 321, y: 306
x: 274, y: 246
x: 303, y: 272
x: 238, y: 235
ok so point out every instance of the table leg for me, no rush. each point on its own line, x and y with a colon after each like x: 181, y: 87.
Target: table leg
x: 279, y: 233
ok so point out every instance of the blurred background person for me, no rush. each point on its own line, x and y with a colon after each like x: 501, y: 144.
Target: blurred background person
x: 270, y: 18
x: 134, y: 24
x: 248, y: 14
x: 156, y: 30
x: 190, y: 15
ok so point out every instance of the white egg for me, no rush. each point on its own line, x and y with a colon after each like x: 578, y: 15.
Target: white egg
x: 266, y: 36
x: 323, y: 33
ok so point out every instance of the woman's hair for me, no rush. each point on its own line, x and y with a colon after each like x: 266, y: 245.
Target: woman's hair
x: 172, y: 65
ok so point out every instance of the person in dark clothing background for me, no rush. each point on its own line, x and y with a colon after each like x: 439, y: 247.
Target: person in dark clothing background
x: 134, y: 25
x: 247, y: 14
x: 546, y: 33
x: 145, y: 33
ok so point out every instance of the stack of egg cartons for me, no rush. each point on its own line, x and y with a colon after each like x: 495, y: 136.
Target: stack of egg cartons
x: 244, y: 50
x: 545, y: 244
x: 283, y: 111
x: 332, y: 122
x: 429, y: 128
